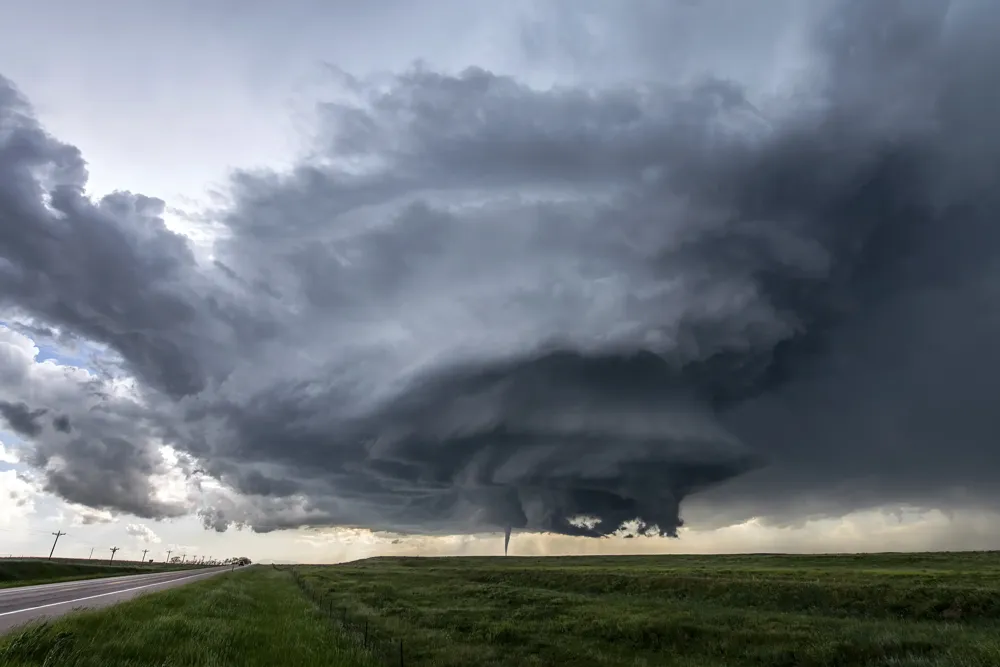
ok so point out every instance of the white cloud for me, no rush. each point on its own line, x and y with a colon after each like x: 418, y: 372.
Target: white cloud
x: 177, y: 483
x: 17, y: 498
x: 8, y: 454
x: 87, y: 516
x: 143, y: 533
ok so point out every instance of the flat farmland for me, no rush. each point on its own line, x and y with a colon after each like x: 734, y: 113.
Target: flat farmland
x: 930, y: 609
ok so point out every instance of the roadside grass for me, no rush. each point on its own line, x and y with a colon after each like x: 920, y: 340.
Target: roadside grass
x: 899, y: 610
x: 28, y: 572
x: 249, y: 618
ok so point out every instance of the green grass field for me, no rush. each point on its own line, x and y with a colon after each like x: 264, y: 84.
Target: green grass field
x: 898, y: 610
x: 249, y: 618
x: 29, y: 571
x: 912, y: 610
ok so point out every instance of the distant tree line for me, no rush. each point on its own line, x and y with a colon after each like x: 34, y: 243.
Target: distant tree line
x: 239, y: 561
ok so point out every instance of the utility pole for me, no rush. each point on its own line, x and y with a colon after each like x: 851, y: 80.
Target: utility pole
x: 182, y: 558
x: 91, y: 553
x: 58, y: 534
x: 168, y: 556
x: 144, y: 555
x: 113, y: 550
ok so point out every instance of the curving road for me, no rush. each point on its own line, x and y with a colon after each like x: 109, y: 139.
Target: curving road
x: 27, y: 603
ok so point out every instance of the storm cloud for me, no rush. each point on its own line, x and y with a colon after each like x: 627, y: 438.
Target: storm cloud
x: 478, y: 304
x: 22, y: 418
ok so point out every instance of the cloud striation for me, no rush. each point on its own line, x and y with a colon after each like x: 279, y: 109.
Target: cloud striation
x: 478, y: 304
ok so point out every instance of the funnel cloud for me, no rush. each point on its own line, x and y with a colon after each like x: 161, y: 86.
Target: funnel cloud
x: 478, y: 304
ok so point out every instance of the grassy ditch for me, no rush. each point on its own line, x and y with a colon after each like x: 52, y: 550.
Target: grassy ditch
x: 255, y: 617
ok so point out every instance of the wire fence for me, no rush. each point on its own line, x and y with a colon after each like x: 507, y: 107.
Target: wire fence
x: 388, y: 650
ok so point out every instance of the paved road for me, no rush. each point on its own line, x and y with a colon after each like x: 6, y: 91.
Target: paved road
x: 27, y: 603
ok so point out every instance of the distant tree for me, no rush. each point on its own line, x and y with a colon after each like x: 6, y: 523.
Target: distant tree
x: 175, y: 560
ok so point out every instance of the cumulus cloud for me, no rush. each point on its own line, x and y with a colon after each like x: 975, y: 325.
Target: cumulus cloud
x: 479, y: 304
x: 142, y: 532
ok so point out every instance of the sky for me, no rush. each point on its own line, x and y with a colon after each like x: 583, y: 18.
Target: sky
x: 329, y: 280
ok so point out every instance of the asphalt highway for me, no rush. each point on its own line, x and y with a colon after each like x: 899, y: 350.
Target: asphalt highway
x: 22, y: 604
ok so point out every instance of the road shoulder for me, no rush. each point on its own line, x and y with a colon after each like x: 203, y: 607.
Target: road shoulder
x: 251, y: 618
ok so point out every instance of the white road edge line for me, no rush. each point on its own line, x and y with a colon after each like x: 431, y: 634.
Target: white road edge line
x: 82, y: 583
x: 101, y: 595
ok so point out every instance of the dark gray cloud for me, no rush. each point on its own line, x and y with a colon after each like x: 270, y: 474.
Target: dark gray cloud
x: 62, y: 424
x: 108, y: 270
x: 480, y: 304
x: 21, y: 418
x: 101, y: 449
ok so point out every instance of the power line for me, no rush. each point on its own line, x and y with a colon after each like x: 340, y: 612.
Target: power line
x: 58, y: 534
x: 36, y: 531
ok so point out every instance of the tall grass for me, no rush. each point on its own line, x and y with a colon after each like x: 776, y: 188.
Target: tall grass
x: 251, y: 618
x: 920, y: 610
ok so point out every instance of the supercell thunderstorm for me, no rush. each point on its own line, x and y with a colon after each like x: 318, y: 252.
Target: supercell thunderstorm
x: 480, y: 304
